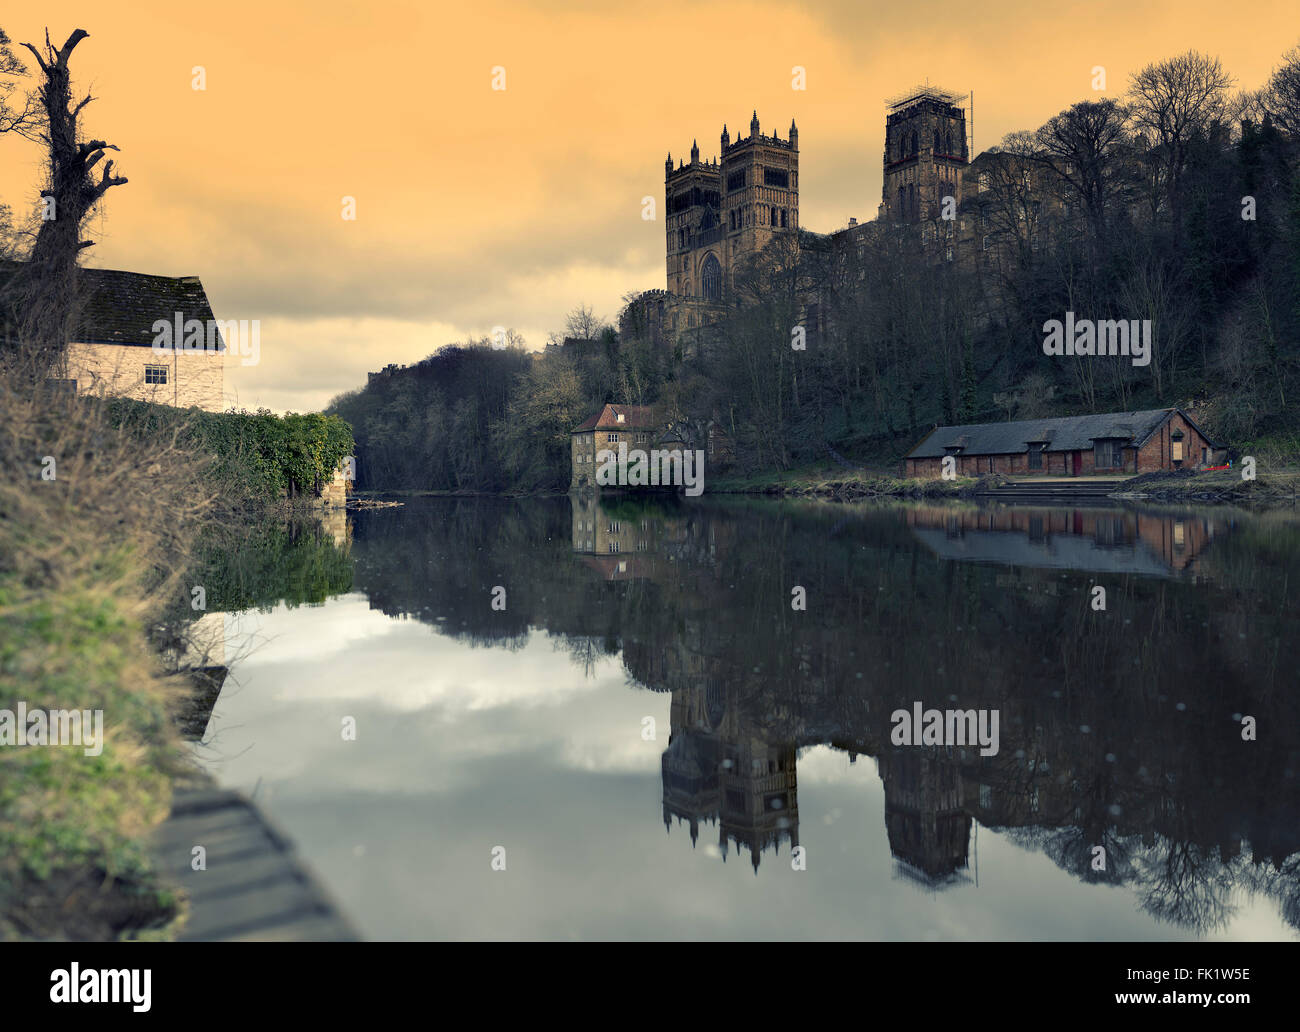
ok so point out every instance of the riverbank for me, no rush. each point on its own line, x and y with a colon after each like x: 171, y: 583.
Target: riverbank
x: 99, y: 526
x: 1273, y: 487
x: 828, y: 481
x: 92, y: 544
x: 1280, y: 487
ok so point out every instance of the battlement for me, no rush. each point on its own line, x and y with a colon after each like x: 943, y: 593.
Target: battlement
x: 760, y: 140
x: 711, y: 166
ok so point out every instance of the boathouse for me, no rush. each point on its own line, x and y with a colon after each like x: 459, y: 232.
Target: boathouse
x: 1112, y: 442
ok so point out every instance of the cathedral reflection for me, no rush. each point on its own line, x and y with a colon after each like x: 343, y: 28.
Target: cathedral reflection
x: 750, y: 692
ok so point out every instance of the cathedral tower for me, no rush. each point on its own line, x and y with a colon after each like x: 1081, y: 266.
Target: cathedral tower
x: 925, y: 153
x: 719, y: 211
x: 760, y: 191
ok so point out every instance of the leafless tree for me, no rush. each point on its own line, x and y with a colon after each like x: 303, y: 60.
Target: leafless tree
x: 1172, y: 103
x: 1081, y: 146
x: 45, y: 291
x: 17, y: 111
x: 1281, y: 97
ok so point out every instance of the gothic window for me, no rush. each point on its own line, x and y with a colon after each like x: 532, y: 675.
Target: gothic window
x: 902, y: 203
x: 784, y: 213
x: 915, y: 143
x: 711, y: 277
x: 984, y: 182
x: 947, y: 143
x: 773, y: 222
x: 936, y: 141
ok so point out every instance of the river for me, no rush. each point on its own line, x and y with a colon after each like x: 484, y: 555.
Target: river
x: 567, y: 719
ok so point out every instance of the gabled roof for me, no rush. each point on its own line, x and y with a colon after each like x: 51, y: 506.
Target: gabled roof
x: 121, y: 307
x: 1066, y: 433
x: 635, y: 417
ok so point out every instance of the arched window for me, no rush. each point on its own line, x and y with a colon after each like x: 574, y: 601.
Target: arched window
x: 947, y: 143
x: 773, y: 222
x: 902, y: 203
x: 936, y: 141
x: 711, y: 277
x: 911, y: 199
x: 915, y: 145
x: 784, y: 213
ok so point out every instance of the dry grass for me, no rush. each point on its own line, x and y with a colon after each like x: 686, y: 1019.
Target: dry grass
x: 86, y: 559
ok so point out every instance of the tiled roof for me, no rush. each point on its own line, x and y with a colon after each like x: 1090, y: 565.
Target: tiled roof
x: 1067, y: 433
x: 635, y: 417
x: 122, y: 307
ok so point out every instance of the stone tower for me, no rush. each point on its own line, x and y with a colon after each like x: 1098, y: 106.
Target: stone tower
x: 760, y: 191
x: 693, y: 199
x: 719, y: 211
x: 925, y: 154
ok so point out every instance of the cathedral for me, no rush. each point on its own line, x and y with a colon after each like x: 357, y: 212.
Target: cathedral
x: 722, y: 210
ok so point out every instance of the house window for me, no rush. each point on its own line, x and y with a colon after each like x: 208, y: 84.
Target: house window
x: 611, y: 438
x: 155, y: 374
x: 1108, y: 454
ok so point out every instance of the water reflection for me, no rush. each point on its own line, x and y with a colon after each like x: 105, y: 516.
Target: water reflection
x: 1120, y: 729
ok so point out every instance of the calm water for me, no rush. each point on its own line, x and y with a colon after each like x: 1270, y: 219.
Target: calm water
x: 649, y: 727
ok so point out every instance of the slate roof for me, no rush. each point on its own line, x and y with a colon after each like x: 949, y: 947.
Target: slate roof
x: 635, y: 417
x: 1066, y: 433
x: 121, y: 307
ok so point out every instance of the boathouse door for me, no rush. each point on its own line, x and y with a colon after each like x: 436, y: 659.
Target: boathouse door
x: 1078, y: 463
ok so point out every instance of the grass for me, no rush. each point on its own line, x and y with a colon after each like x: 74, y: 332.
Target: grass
x: 87, y: 558
x: 1269, y: 486
x: 830, y: 481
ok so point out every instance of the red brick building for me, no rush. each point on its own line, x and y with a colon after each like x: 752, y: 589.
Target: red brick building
x: 1113, y: 442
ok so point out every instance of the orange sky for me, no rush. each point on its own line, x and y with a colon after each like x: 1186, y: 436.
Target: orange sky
x: 478, y: 208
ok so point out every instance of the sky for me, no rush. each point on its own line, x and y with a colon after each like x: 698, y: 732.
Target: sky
x: 479, y: 207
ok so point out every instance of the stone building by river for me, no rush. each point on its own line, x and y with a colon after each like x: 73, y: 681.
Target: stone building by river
x: 120, y: 317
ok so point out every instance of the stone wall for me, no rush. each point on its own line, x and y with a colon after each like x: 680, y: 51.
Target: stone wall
x: 192, y: 378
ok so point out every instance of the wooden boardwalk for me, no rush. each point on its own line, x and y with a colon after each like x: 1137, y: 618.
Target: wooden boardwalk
x: 254, y: 888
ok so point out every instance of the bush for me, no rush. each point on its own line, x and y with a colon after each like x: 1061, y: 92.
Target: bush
x: 251, y: 456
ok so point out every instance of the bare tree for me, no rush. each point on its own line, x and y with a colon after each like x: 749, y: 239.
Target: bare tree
x: 583, y: 324
x: 16, y: 114
x: 1172, y: 103
x: 46, y: 287
x: 1081, y: 146
x: 1281, y: 97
